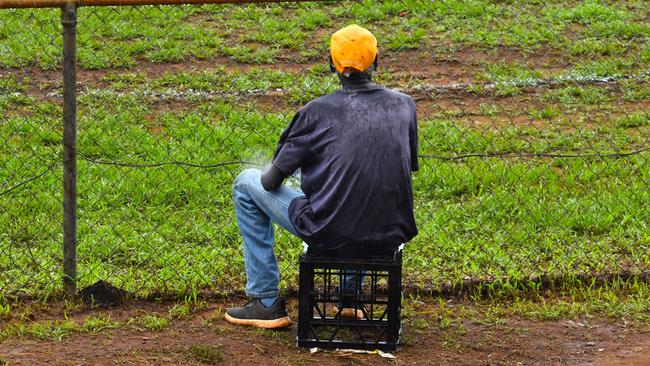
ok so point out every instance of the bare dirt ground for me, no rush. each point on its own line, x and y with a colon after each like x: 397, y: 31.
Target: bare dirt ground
x: 440, y: 69
x: 438, y: 74
x: 509, y: 341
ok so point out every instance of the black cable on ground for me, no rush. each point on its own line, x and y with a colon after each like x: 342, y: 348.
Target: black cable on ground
x: 42, y: 174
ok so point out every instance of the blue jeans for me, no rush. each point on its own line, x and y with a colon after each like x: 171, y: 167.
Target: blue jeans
x: 256, y: 210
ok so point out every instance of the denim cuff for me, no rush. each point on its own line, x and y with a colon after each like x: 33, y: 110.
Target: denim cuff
x: 259, y: 295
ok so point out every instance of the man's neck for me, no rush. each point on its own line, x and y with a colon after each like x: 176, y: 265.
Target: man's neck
x: 357, y: 82
x: 355, y: 79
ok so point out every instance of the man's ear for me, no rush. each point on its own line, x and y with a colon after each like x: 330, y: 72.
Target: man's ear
x: 332, y: 67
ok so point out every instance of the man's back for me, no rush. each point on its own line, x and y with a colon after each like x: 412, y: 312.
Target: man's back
x: 356, y: 149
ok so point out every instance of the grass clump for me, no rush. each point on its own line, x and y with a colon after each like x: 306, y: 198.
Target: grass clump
x: 5, y: 311
x: 509, y: 78
x: 206, y: 353
x: 97, y: 324
x: 405, y: 40
x: 634, y: 92
x: 547, y: 112
x: 601, y: 68
x: 618, y: 300
x: 153, y: 322
x: 12, y: 84
x: 180, y: 311
x: 46, y: 330
x: 506, y: 90
x: 577, y: 96
x: 634, y: 120
x: 593, y: 46
x: 592, y: 11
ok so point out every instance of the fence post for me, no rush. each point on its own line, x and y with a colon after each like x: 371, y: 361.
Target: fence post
x: 69, y: 23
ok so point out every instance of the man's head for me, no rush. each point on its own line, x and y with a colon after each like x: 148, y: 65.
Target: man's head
x: 353, y: 49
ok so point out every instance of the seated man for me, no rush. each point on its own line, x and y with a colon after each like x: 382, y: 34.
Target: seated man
x: 355, y: 148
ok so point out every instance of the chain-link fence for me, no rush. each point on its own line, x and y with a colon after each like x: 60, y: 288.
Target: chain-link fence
x: 533, y: 121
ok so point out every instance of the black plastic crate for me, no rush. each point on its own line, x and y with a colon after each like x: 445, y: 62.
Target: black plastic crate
x: 377, y: 302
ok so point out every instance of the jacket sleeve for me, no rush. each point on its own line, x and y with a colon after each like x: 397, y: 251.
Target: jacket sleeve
x: 271, y: 177
x: 293, y: 149
x: 413, y: 140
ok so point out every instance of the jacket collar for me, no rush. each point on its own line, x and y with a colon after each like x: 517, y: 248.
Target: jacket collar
x: 354, y: 84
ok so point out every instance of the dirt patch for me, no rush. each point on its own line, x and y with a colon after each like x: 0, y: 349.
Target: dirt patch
x: 429, y: 75
x: 638, y: 355
x: 274, y: 102
x: 433, y: 66
x: 204, y: 335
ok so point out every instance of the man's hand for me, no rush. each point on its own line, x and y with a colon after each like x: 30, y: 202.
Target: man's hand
x: 272, y: 177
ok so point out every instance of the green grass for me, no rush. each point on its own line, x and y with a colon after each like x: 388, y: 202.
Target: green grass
x: 623, y: 302
x: 578, y: 96
x: 23, y: 325
x: 620, y: 300
x: 117, y: 37
x: 206, y: 353
x: 54, y: 330
x: 634, y: 120
x: 96, y: 324
x: 547, y: 112
x: 5, y: 311
x: 490, y: 217
x: 169, y: 231
x: 150, y: 322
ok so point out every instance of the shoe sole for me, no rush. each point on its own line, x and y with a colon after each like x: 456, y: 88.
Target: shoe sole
x: 350, y: 313
x: 259, y: 323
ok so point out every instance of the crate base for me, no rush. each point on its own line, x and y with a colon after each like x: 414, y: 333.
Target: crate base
x: 348, y: 345
x: 372, y: 287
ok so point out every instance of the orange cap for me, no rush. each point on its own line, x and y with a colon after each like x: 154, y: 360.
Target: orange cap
x: 354, y: 47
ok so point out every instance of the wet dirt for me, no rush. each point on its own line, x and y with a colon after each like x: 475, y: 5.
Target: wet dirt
x: 509, y: 341
x: 427, y: 66
x: 429, y: 76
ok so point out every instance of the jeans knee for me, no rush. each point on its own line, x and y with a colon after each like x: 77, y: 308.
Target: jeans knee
x: 247, y: 177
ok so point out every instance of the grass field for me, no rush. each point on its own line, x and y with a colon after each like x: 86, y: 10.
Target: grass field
x: 520, y: 103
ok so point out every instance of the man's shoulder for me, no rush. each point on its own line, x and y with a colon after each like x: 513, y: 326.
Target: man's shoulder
x: 318, y: 105
x: 316, y: 102
x: 401, y: 95
x: 333, y: 98
x: 328, y: 99
x: 394, y: 94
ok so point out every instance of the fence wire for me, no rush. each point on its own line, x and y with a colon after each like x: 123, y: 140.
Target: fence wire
x: 533, y: 121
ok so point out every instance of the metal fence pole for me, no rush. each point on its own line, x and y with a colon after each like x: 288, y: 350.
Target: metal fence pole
x: 69, y: 22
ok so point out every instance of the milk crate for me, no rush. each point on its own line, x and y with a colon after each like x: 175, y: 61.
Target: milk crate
x: 362, y: 314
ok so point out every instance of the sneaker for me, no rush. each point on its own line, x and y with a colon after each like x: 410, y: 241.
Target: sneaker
x: 347, y: 305
x: 349, y: 313
x: 255, y: 314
